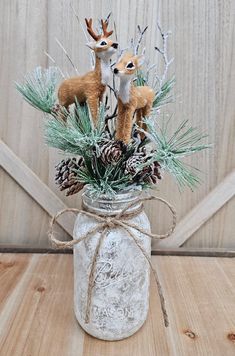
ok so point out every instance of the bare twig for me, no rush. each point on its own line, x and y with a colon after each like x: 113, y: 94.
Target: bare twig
x: 108, y: 17
x: 106, y: 102
x: 67, y: 55
x: 115, y: 30
x: 92, y: 56
x: 49, y: 56
x: 79, y: 22
x: 164, y: 52
x: 113, y: 90
x: 113, y: 115
x: 141, y: 34
x: 53, y: 60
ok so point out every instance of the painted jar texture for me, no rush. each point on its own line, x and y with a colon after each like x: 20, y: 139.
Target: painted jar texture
x: 120, y: 294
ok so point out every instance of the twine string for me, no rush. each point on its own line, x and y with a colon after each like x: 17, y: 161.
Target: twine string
x: 108, y: 222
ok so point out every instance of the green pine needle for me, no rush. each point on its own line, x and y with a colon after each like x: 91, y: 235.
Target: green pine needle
x: 39, y: 88
x: 140, y: 79
x: 163, y: 96
x: 171, y: 148
x: 109, y: 182
x: 77, y: 135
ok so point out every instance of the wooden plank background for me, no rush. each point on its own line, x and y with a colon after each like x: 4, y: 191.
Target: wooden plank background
x: 203, y: 47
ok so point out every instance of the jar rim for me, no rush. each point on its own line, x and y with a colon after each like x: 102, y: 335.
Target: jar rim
x: 107, y: 206
x: 120, y: 196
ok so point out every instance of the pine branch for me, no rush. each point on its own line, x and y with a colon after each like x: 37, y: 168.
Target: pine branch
x: 170, y: 149
x: 39, y: 88
x: 163, y: 96
x: 77, y: 135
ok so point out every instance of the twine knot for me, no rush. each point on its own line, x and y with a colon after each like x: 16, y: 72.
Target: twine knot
x: 103, y: 224
x: 110, y: 222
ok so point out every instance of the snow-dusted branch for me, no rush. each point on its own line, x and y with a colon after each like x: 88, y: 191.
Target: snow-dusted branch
x: 141, y: 35
x: 135, y: 43
x: 164, y: 53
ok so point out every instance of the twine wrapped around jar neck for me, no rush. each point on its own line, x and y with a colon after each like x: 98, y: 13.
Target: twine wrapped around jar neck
x: 105, y: 206
x: 103, y: 224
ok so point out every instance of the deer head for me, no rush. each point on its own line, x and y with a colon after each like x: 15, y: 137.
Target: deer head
x: 102, y: 45
x: 128, y: 65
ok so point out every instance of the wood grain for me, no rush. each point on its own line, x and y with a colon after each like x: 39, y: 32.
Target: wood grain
x: 207, y: 207
x: 37, y: 318
x: 30, y: 182
x: 202, y: 44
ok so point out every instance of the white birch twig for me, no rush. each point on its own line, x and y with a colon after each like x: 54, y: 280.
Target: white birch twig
x: 164, y: 52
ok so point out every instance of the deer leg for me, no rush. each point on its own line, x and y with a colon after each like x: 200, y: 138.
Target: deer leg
x: 124, y: 126
x: 93, y: 105
x: 139, y: 117
x: 101, y: 98
x: 146, y: 111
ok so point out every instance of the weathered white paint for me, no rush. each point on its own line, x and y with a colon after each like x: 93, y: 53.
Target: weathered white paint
x: 120, y: 295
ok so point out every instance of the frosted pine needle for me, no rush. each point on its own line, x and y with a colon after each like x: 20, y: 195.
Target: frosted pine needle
x: 170, y: 149
x: 39, y: 88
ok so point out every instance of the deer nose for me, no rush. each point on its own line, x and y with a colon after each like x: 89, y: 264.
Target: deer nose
x: 115, y: 45
x: 115, y: 71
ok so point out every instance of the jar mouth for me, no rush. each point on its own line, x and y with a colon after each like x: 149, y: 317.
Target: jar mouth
x: 107, y: 206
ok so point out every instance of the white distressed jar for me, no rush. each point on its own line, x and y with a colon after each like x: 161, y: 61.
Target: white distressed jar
x: 120, y: 295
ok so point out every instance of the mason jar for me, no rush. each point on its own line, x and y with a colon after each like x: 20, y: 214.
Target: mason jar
x: 120, y: 294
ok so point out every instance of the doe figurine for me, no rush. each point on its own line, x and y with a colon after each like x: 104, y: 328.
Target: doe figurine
x: 131, y: 99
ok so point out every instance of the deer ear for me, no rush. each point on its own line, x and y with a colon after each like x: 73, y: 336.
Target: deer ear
x: 91, y: 45
x: 141, y: 59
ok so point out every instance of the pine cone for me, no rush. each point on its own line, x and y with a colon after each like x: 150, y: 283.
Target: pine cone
x: 111, y: 151
x: 135, y: 160
x: 149, y: 174
x: 66, y: 177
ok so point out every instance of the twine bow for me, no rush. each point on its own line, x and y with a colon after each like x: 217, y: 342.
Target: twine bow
x: 109, y: 222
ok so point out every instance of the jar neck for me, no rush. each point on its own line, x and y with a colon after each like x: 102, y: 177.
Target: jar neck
x: 105, y: 206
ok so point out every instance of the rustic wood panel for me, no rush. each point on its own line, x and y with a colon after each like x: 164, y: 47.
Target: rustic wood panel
x: 203, y: 47
x: 202, y: 212
x: 37, y: 318
x: 34, y: 186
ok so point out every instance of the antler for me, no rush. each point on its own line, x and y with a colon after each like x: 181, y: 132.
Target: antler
x: 90, y: 30
x: 93, y: 34
x: 104, y: 27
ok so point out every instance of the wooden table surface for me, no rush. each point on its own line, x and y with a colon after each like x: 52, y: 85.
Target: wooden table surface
x: 36, y: 309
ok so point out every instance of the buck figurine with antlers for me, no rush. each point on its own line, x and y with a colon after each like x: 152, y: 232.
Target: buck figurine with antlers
x: 91, y: 86
x: 131, y: 99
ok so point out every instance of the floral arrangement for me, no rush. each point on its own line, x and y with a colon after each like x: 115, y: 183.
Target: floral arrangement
x: 84, y: 127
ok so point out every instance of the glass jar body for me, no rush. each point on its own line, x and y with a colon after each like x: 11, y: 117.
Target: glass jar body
x: 120, y: 294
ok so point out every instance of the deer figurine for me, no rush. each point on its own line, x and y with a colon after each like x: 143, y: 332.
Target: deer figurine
x: 131, y: 99
x: 91, y: 86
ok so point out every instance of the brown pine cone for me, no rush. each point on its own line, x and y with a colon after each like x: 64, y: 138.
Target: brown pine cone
x: 111, y: 151
x: 152, y: 173
x: 135, y: 160
x: 66, y: 176
x: 148, y: 174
